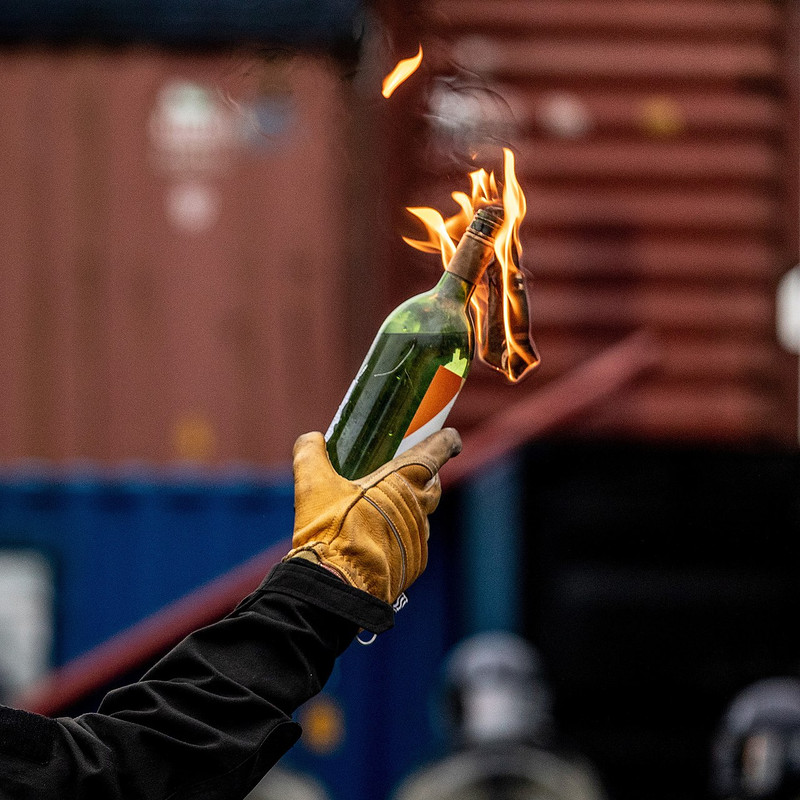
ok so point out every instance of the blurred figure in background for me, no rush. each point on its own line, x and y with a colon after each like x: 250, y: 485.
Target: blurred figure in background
x: 284, y: 784
x: 497, y: 714
x: 756, y: 751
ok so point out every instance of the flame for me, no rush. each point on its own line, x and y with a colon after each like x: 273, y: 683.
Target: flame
x: 403, y: 70
x: 508, y: 251
x: 517, y: 356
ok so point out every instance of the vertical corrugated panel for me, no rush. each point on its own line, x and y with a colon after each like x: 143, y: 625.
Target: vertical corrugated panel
x: 654, y: 143
x: 161, y: 304
x: 123, y: 549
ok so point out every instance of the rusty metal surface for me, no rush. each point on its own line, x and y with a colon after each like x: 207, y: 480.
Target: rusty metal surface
x: 656, y: 143
x: 161, y: 302
x: 173, y: 268
x: 665, y: 17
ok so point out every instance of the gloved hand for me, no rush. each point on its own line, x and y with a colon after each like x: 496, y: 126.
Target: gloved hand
x: 373, y: 532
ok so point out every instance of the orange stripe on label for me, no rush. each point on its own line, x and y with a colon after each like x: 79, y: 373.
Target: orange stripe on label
x: 444, y: 387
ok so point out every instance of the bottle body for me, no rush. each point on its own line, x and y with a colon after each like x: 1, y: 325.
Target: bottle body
x: 416, y: 365
x: 407, y: 383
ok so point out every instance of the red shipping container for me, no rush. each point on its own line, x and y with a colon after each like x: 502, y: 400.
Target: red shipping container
x: 177, y: 244
x: 657, y: 144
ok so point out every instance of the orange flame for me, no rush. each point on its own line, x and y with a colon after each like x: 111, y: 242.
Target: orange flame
x: 403, y: 70
x: 517, y: 355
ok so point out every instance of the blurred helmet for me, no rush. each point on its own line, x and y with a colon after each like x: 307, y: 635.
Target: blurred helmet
x: 281, y: 783
x: 495, y: 691
x: 756, y: 751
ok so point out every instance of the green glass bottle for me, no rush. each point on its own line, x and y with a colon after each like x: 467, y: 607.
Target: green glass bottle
x: 416, y: 365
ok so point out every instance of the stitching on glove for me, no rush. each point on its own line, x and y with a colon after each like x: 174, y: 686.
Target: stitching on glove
x: 403, y: 555
x: 420, y: 461
x: 352, y: 574
x: 345, y: 568
x: 338, y: 524
x: 361, y: 581
x: 422, y: 514
x: 310, y: 547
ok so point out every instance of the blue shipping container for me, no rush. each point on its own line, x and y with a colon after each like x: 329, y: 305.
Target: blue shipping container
x: 121, y: 550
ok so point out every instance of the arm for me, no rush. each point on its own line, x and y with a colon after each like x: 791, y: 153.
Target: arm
x: 212, y: 716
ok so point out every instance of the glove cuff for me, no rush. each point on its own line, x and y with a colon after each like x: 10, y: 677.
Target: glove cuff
x: 311, y: 556
x: 315, y: 585
x: 329, y: 558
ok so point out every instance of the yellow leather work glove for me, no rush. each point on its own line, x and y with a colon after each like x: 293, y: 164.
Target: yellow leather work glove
x: 372, y: 531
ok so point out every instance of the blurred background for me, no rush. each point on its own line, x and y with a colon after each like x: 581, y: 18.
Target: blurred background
x: 202, y: 211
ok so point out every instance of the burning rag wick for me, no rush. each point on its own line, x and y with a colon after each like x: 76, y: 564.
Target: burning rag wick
x: 443, y: 236
x: 403, y: 70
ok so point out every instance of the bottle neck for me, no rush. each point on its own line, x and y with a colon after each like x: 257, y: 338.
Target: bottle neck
x: 475, y: 250
x: 473, y: 254
x: 454, y: 287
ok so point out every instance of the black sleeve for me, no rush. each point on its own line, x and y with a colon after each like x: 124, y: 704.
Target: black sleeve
x: 210, y: 718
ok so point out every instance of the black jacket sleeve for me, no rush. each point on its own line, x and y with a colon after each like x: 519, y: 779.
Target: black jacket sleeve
x: 210, y: 718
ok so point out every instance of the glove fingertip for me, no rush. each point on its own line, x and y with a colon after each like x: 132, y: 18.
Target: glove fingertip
x: 310, y: 457
x: 309, y: 446
x: 455, y: 441
x: 310, y: 439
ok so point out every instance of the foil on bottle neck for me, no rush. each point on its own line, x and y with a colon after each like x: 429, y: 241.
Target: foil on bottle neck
x: 475, y: 250
x: 485, y: 223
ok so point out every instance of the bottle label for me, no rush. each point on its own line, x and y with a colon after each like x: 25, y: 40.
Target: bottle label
x: 437, y: 402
